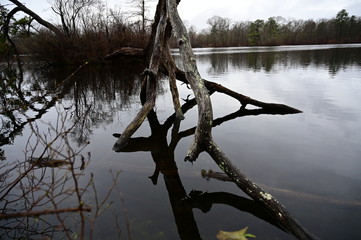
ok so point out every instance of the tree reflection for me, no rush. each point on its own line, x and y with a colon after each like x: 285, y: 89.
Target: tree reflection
x: 44, y: 195
x: 41, y: 195
x: 269, y: 59
x: 101, y: 93
x: 163, y: 155
x: 96, y: 92
x: 23, y: 100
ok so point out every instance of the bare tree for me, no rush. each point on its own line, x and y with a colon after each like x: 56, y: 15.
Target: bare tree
x: 219, y: 30
x: 69, y: 11
x: 141, y: 10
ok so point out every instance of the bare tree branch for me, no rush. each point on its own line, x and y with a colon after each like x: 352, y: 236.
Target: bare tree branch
x: 46, y: 24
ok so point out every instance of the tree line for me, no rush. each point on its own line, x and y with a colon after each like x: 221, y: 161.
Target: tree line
x: 278, y: 31
x: 90, y: 30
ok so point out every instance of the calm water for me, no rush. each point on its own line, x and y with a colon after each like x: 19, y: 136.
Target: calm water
x: 310, y: 161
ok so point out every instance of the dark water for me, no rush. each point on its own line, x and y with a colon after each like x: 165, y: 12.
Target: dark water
x: 310, y: 161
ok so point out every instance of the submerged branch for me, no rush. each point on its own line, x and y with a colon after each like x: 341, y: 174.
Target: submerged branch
x: 287, y: 192
x: 43, y: 212
x: 275, y: 208
x: 205, y: 200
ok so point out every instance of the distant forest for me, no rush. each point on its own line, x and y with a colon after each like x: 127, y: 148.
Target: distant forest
x: 89, y: 30
x: 278, y: 31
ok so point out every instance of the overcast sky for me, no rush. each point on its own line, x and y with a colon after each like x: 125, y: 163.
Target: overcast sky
x: 196, y: 12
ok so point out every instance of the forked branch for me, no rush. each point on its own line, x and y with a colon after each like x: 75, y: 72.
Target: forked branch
x: 159, y: 59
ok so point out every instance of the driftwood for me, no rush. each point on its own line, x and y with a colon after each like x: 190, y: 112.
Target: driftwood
x: 180, y: 75
x: 48, y: 162
x: 167, y: 19
x: 126, y: 52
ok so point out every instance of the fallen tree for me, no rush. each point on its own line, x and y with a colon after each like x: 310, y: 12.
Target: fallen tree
x: 159, y: 60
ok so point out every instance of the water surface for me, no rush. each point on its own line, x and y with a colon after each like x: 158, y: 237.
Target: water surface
x: 309, y: 161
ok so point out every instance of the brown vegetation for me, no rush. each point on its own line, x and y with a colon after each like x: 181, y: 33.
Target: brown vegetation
x: 89, y: 31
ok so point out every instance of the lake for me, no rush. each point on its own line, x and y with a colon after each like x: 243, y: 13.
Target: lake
x: 310, y: 162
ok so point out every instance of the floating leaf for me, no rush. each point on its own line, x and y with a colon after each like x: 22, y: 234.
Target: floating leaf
x: 75, y: 235
x: 237, y: 235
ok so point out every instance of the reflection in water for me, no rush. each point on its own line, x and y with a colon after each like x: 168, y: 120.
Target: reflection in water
x: 47, y: 179
x: 96, y: 94
x: 19, y: 96
x: 45, y: 182
x: 163, y: 156
x: 101, y: 93
x: 316, y: 152
x: 335, y: 59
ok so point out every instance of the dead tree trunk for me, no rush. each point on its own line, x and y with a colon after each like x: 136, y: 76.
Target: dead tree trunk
x: 167, y: 19
x: 203, y: 140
